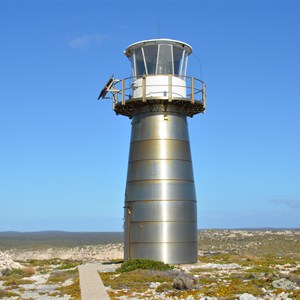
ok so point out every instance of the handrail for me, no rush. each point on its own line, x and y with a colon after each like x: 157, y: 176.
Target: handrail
x: 125, y: 87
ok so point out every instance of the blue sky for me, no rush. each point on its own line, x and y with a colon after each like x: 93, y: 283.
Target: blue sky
x: 63, y: 154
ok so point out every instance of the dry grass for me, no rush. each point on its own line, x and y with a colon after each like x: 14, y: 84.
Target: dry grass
x: 73, y: 290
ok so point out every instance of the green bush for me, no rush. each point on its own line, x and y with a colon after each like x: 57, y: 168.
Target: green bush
x: 25, y: 272
x: 144, y: 264
x: 13, y: 272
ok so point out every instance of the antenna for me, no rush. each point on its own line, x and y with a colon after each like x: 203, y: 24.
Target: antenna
x: 158, y: 27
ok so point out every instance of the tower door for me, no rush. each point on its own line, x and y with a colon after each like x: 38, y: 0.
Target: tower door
x: 127, y: 230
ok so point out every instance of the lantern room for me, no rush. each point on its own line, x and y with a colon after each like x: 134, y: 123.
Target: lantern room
x: 158, y: 57
x: 162, y: 63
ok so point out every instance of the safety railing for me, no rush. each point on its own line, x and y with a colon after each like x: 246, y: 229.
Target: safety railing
x: 123, y: 90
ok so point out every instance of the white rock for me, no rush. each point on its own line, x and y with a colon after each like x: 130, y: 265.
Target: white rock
x: 6, y: 262
x: 282, y: 296
x: 218, y: 266
x: 284, y: 284
x: 247, y: 296
x: 68, y: 282
x: 154, y: 285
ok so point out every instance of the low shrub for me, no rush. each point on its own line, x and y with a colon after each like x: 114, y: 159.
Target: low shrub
x: 135, y: 281
x: 143, y: 264
x: 68, y: 265
x: 25, y: 272
x: 185, y: 281
x: 12, y: 272
x: 15, y: 281
x: 164, y: 287
x: 4, y: 293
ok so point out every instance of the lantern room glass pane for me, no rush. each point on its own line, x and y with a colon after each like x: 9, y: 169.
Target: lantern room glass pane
x: 178, y: 61
x: 164, y: 60
x: 159, y: 59
x: 184, y: 64
x: 151, y: 58
x: 139, y: 63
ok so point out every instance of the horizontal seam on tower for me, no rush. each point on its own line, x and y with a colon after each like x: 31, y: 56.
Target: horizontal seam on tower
x: 175, y: 200
x: 162, y: 139
x: 172, y: 159
x: 187, y: 242
x: 163, y: 221
x: 165, y: 179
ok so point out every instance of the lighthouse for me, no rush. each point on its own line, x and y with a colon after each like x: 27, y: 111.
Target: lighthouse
x: 160, y: 208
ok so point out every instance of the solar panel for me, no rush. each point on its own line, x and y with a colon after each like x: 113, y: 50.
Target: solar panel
x: 106, y: 88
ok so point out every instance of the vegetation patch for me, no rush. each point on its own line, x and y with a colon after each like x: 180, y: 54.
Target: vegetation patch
x: 261, y: 269
x: 15, y: 281
x: 44, y: 262
x: 137, y: 280
x: 230, y: 290
x: 55, y: 294
x: 61, y: 276
x: 68, y: 264
x: 5, y: 293
x: 25, y: 272
x: 143, y: 264
x: 15, y: 277
x: 164, y: 287
x: 73, y: 290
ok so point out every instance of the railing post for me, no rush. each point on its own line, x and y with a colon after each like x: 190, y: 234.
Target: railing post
x: 170, y: 88
x: 204, y: 95
x: 117, y: 96
x: 144, y: 88
x: 192, y: 90
x: 123, y: 92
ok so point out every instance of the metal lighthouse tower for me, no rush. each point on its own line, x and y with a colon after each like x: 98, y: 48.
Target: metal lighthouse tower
x: 160, y: 210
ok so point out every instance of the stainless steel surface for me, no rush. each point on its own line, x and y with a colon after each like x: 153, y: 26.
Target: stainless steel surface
x: 160, y: 169
x: 162, y: 232
x: 159, y: 149
x: 167, y: 252
x: 160, y: 201
x: 160, y: 211
x: 166, y: 211
x: 160, y: 190
x: 154, y: 126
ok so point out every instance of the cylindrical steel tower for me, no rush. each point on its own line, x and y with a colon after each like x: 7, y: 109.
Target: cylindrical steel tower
x: 160, y: 210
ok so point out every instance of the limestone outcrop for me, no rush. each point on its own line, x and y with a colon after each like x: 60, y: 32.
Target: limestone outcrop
x: 7, y: 263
